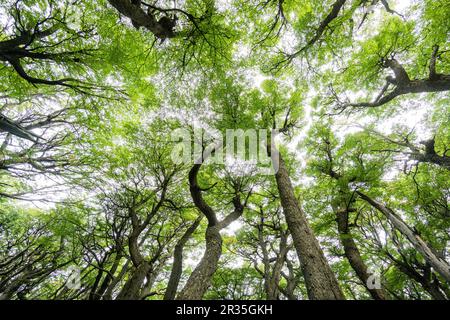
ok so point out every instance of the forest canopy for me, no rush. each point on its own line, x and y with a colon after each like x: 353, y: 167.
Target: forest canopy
x: 228, y: 149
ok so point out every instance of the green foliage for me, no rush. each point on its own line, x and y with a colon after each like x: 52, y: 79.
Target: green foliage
x: 104, y: 98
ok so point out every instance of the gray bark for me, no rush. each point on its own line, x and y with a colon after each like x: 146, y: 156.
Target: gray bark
x: 439, y: 264
x: 177, y: 267
x: 200, y: 279
x: 131, y: 289
x: 320, y: 280
x: 352, y: 252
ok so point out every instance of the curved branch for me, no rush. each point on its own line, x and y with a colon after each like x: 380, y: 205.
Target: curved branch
x: 140, y: 18
x: 404, y: 85
x: 332, y: 15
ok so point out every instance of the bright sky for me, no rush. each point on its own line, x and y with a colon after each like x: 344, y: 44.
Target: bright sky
x: 410, y: 118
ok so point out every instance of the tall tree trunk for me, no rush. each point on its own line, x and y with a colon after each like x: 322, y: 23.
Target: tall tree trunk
x: 98, y: 278
x: 109, y: 292
x: 10, y: 290
x: 177, y: 267
x: 320, y: 281
x: 108, y: 278
x: 292, y: 281
x: 352, y: 252
x: 151, y: 276
x: 199, y: 281
x: 200, y: 278
x: 131, y: 289
x: 273, y: 281
x: 439, y: 264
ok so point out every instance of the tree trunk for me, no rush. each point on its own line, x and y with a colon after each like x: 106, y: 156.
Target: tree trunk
x: 177, y: 267
x: 352, y: 252
x: 200, y: 278
x: 443, y: 161
x: 272, y: 290
x: 109, y: 292
x: 131, y: 289
x: 151, y: 278
x: 98, y: 278
x: 108, y: 278
x: 426, y: 281
x: 292, y: 281
x: 439, y: 265
x: 320, y: 281
x: 272, y: 275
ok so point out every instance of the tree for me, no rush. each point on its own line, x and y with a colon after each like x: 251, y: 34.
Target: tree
x: 277, y: 150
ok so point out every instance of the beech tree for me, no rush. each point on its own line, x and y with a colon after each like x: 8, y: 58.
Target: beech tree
x: 279, y: 150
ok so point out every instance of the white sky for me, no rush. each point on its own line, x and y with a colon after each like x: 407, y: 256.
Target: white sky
x: 410, y: 118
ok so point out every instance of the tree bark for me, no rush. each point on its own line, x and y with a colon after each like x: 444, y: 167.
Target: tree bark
x: 200, y: 279
x: 141, y: 18
x: 352, y: 252
x: 177, y: 267
x: 320, y: 281
x: 108, y: 278
x: 439, y: 265
x: 292, y: 281
x: 404, y: 85
x: 273, y: 281
x: 131, y: 289
x: 109, y: 292
x: 426, y: 280
x: 272, y: 274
